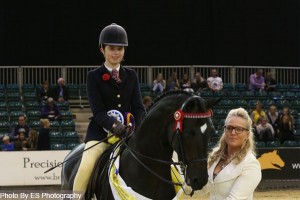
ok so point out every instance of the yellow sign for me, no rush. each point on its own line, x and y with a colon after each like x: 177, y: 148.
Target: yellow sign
x: 271, y: 160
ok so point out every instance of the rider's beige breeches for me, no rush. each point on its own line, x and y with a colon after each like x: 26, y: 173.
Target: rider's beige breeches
x: 87, y: 164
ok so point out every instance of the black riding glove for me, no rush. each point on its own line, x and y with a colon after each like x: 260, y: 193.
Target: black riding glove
x: 118, y: 129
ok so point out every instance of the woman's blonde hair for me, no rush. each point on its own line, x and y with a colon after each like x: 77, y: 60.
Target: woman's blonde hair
x: 34, y: 135
x: 45, y: 123
x: 222, y: 146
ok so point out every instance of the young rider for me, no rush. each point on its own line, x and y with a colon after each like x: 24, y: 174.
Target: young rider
x: 112, y: 91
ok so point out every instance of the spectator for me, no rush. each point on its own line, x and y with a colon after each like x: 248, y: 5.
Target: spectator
x: 270, y: 82
x: 32, y: 140
x: 215, y: 83
x: 257, y: 114
x: 7, y: 145
x: 20, y: 127
x: 43, y: 142
x: 60, y: 91
x: 186, y: 84
x: 21, y: 143
x: 265, y: 131
x: 272, y: 116
x: 44, y: 92
x: 159, y: 84
x: 199, y: 83
x: 286, y: 126
x: 173, y: 83
x: 257, y: 81
x: 147, y: 102
x: 50, y: 110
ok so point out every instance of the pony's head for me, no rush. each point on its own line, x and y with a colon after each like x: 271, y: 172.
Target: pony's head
x: 189, y: 137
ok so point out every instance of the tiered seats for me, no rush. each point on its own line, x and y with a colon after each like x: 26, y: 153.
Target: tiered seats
x: 283, y: 96
x: 74, y: 92
x: 69, y: 139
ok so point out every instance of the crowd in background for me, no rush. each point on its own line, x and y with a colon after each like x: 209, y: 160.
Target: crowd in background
x: 268, y: 126
x: 22, y: 136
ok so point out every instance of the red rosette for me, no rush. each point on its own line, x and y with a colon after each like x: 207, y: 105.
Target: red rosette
x: 106, y: 77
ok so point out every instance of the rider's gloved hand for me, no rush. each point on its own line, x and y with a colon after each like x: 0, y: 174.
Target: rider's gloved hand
x: 118, y: 129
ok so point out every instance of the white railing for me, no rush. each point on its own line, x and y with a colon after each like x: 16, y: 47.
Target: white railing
x: 77, y: 74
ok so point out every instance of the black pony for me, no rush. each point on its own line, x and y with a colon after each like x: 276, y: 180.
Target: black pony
x: 177, y: 121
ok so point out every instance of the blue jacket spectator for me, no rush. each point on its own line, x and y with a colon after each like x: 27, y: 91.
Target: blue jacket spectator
x: 50, y: 110
x: 7, y: 145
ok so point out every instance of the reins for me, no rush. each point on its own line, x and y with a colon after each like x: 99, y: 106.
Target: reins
x: 79, y: 153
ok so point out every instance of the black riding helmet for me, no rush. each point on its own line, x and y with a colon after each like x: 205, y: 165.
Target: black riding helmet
x: 114, y: 35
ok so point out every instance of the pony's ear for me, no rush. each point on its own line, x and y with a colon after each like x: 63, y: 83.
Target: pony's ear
x: 212, y: 102
x: 275, y: 151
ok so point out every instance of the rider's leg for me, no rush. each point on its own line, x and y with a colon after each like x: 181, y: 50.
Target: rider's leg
x: 87, y: 164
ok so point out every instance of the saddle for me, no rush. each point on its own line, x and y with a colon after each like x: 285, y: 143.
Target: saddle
x: 100, y: 172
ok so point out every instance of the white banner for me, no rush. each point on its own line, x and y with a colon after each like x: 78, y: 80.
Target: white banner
x: 28, y: 167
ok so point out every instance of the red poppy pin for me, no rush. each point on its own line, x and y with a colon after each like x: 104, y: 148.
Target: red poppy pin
x: 106, y: 77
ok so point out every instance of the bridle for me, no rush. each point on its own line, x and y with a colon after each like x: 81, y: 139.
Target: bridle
x: 179, y: 116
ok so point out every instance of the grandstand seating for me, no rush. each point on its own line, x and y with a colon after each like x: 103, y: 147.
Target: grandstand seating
x: 4, y: 126
x: 67, y: 125
x: 15, y: 105
x: 70, y: 137
x: 72, y: 145
x: 280, y: 104
x: 14, y: 102
x: 83, y: 92
x: 58, y: 146
x: 33, y: 115
x: 289, y: 95
x: 14, y: 115
x: 228, y: 87
x: 54, y: 126
x: 29, y: 96
x: 4, y: 115
x: 64, y: 105
x: 290, y: 144
x: 28, y: 88
x: 234, y: 95
x: 240, y: 87
x: 32, y: 105
x: 281, y: 87
x: 35, y: 124
x: 240, y: 103
x: 66, y: 115
x: 2, y: 88
x: 260, y: 144
x: 13, y: 96
x: 12, y: 88
x: 206, y: 94
x: 275, y: 95
x: 293, y: 88
x: 261, y: 95
x: 74, y: 91
x: 273, y: 144
x: 56, y: 137
x: 248, y: 95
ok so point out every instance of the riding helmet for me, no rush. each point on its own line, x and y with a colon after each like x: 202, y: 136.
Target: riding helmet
x: 114, y: 35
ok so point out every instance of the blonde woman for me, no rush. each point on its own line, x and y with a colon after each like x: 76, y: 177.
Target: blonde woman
x: 44, y: 138
x: 233, y: 169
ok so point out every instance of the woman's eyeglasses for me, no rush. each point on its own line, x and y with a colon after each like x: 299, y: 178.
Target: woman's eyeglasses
x: 238, y: 130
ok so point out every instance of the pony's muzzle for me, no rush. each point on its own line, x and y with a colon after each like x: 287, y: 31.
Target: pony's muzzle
x: 196, y: 178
